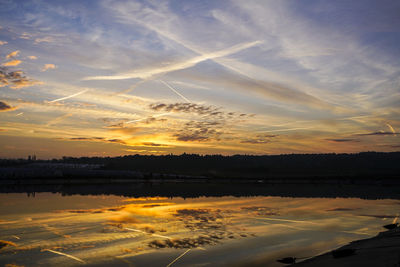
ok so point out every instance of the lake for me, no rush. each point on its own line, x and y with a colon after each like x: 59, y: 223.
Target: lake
x: 49, y: 229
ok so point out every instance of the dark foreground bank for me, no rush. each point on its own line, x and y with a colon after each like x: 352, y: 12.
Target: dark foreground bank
x: 381, y: 250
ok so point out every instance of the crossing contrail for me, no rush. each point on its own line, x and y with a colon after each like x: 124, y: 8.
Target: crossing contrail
x: 67, y: 97
x: 175, y: 91
x: 147, y: 73
x: 180, y: 256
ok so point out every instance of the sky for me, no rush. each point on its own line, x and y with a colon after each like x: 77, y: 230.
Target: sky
x: 109, y: 78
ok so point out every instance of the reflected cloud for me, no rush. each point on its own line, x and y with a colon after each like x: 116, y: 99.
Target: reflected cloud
x: 5, y: 107
x: 342, y: 140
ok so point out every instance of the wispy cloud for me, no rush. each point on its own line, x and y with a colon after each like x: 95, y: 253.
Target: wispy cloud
x: 98, y: 139
x: 47, y: 39
x: 3, y: 42
x: 259, y: 139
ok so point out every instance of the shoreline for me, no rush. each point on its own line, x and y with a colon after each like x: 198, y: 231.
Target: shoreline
x: 49, y: 176
x: 381, y: 250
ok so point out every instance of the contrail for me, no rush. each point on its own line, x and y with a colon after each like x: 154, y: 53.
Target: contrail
x: 147, y: 73
x: 175, y: 91
x: 67, y: 97
x: 180, y: 256
x: 66, y: 255
x: 391, y: 128
x: 58, y: 119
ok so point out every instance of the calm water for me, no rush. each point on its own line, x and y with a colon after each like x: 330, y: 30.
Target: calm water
x: 50, y: 229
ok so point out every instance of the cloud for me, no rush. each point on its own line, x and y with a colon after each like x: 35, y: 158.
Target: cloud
x: 377, y: 133
x: 26, y: 36
x: 15, y: 79
x: 342, y: 140
x: 6, y: 107
x: 3, y: 42
x: 13, y: 54
x: 86, y: 138
x: 32, y: 57
x: 186, y: 108
x: 15, y: 62
x: 199, y: 131
x: 97, y: 139
x: 48, y: 67
x: 154, y: 144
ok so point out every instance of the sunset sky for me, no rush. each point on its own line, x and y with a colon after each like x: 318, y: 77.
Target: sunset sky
x: 107, y: 78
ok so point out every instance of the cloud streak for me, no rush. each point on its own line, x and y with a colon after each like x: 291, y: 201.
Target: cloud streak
x: 377, y: 134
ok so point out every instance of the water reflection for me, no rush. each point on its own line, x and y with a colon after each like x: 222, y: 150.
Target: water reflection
x: 52, y: 230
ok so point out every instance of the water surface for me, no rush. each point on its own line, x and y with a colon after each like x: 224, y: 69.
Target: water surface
x: 50, y: 229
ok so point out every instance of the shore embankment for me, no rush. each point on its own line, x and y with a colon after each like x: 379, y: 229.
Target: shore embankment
x: 381, y: 250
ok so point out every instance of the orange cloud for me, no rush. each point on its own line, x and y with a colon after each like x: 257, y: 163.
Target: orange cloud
x: 32, y: 57
x: 3, y: 42
x: 15, y: 62
x: 13, y: 54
